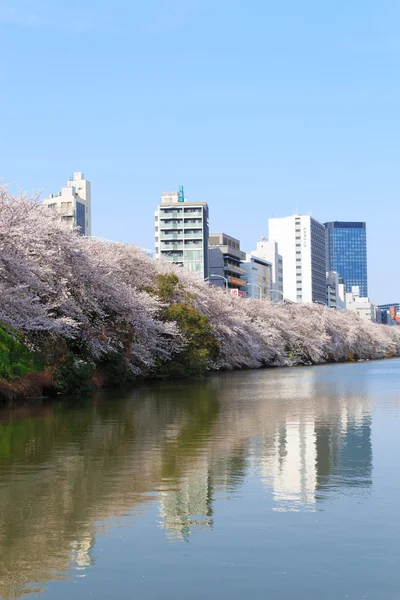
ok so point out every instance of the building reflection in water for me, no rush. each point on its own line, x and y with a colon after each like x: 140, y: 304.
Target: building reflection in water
x: 188, y: 506
x: 302, y: 433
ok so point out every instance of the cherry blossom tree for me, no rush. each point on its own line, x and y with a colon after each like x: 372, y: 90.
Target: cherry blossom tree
x: 58, y: 285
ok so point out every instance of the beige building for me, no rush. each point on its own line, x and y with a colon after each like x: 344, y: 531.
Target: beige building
x: 268, y: 250
x: 74, y: 204
x: 362, y: 306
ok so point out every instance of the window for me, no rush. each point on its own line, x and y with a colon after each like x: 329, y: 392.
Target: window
x: 80, y: 217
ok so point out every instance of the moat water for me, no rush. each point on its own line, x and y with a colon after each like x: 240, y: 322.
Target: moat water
x: 270, y: 484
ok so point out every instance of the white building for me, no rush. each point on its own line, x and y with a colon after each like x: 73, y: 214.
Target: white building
x: 301, y: 242
x: 268, y: 250
x: 258, y: 277
x: 74, y: 203
x: 181, y: 232
x: 362, y: 306
x: 335, y: 291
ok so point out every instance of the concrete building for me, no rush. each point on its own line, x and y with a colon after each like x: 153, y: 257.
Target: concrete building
x: 181, y: 232
x: 258, y: 277
x: 74, y: 204
x: 390, y: 313
x: 268, y: 250
x: 301, y: 242
x: 346, y: 253
x: 225, y: 262
x: 362, y: 306
x: 335, y: 292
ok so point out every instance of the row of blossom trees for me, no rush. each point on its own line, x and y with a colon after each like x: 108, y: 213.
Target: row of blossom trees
x: 109, y: 298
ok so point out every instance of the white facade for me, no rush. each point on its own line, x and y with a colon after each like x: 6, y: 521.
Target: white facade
x: 258, y: 277
x: 362, y: 306
x: 301, y: 242
x: 335, y: 292
x: 268, y: 250
x: 181, y: 232
x: 74, y: 204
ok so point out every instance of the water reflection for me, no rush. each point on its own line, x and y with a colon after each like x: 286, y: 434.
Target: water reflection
x: 304, y: 434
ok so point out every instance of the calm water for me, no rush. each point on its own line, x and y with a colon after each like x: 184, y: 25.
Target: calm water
x: 262, y: 484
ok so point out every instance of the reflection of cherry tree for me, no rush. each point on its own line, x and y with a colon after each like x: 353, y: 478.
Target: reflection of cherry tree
x: 55, y: 283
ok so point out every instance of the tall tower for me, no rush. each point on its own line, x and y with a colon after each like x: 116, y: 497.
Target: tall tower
x: 301, y: 243
x: 346, y: 253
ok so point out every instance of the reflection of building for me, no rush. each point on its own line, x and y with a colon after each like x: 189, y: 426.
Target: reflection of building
x: 187, y: 506
x: 308, y: 454
x: 82, y: 551
x: 74, y: 203
x: 291, y: 464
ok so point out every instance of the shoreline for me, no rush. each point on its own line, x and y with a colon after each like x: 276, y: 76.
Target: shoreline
x: 36, y: 387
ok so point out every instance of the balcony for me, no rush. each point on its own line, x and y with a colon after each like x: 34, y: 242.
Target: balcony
x: 195, y: 213
x: 170, y: 215
x: 172, y: 225
x: 170, y: 247
x: 234, y: 268
x: 193, y: 236
x: 170, y: 236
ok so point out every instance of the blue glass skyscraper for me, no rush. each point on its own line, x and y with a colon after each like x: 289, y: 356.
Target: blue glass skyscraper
x: 346, y: 253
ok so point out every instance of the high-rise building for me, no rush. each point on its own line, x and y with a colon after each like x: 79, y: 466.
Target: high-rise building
x: 258, y: 277
x: 225, y: 261
x: 269, y: 251
x: 301, y: 242
x: 74, y: 204
x: 181, y: 232
x: 346, y: 253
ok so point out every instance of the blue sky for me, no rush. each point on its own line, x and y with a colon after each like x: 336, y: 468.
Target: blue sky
x: 255, y: 107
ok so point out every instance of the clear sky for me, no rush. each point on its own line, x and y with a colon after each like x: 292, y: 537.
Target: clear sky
x: 255, y: 107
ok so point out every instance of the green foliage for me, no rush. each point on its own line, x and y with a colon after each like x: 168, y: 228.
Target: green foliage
x: 73, y: 375
x: 15, y: 358
x: 201, y: 347
x: 115, y: 368
x: 166, y: 285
